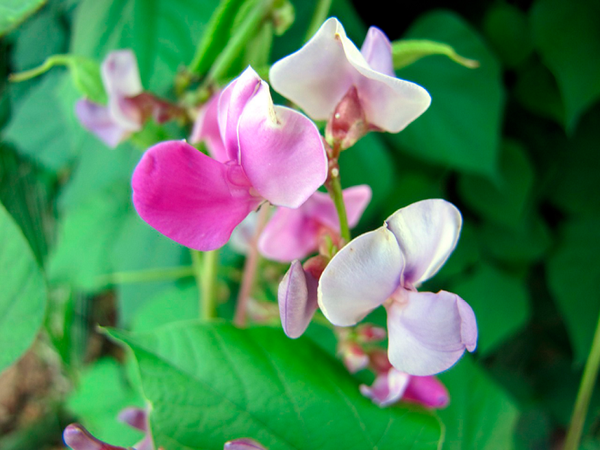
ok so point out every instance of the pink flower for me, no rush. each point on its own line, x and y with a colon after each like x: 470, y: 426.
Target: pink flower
x: 121, y: 117
x: 294, y: 233
x: 427, y: 332
x: 206, y: 129
x: 271, y: 153
x: 330, y: 68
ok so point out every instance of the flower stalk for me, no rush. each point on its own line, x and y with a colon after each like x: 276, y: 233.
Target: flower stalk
x: 205, y: 266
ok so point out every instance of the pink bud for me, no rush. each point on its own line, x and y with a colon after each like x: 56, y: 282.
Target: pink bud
x: 78, y: 438
x: 348, y: 123
x: 243, y: 444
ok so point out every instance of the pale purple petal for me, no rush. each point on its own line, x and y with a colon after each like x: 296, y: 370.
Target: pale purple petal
x: 297, y: 296
x: 360, y: 277
x: 377, y: 51
x: 97, y: 119
x: 243, y: 444
x: 206, y: 129
x: 389, y: 103
x: 189, y: 197
x: 387, y: 388
x: 427, y: 391
x: 281, y: 151
x: 120, y: 74
x: 428, y: 333
x: 289, y: 235
x: 317, y: 76
x: 135, y: 418
x: 427, y: 232
x: 232, y: 102
x: 78, y: 438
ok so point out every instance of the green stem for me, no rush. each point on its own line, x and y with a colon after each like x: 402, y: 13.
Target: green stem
x: 319, y: 16
x: 334, y: 187
x: 205, y: 271
x: 586, y: 388
x: 50, y: 62
x: 145, y: 276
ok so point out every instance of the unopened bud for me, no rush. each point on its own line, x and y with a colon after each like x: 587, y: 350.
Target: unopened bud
x: 348, y: 123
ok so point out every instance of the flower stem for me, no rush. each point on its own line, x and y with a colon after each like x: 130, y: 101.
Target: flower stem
x: 586, y: 388
x: 205, y: 271
x: 319, y: 16
x: 250, y: 267
x: 145, y: 276
x: 334, y: 187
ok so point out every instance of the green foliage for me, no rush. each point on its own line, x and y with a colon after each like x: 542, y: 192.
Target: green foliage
x: 13, y: 12
x: 407, y: 51
x: 256, y: 383
x: 461, y: 128
x: 23, y: 293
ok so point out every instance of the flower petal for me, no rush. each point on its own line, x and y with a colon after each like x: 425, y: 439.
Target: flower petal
x: 317, y: 76
x: 134, y: 417
x: 232, y: 102
x: 360, y: 277
x: 78, y: 438
x: 387, y: 388
x: 97, y: 119
x: 206, y: 129
x: 377, y: 51
x: 297, y: 296
x: 429, y: 332
x: 427, y: 232
x: 243, y: 444
x: 281, y: 151
x: 120, y: 74
x: 189, y: 197
x: 427, y: 391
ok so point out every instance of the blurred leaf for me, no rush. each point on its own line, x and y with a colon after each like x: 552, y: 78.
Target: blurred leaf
x: 506, y: 201
x: 465, y: 255
x: 256, y: 383
x: 508, y: 31
x: 162, y: 34
x: 102, y: 393
x: 411, y: 187
x: 85, y: 234
x: 13, y: 12
x: 368, y: 163
x: 23, y: 293
x: 85, y: 73
x: 406, y: 51
x: 573, y: 53
x: 174, y: 304
x: 573, y: 274
x: 480, y: 416
x: 500, y: 302
x: 461, y: 128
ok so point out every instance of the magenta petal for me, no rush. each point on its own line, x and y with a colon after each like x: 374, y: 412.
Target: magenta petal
x: 243, y: 444
x: 231, y: 105
x: 387, y: 388
x: 427, y: 391
x: 206, y: 129
x: 297, y: 296
x: 281, y: 151
x: 189, y: 197
x: 97, y: 119
x: 428, y: 333
x: 377, y: 51
x: 289, y: 235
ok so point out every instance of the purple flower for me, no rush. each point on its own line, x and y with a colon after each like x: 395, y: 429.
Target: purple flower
x: 294, y: 233
x: 243, y: 444
x: 121, y: 117
x: 427, y: 332
x: 206, y: 129
x: 330, y: 69
x: 271, y: 153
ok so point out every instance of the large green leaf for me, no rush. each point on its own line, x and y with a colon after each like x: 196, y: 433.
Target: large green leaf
x: 573, y: 274
x: 162, y: 33
x: 500, y: 302
x: 567, y: 37
x: 23, y: 293
x: 209, y: 383
x: 13, y: 12
x: 461, y: 128
x: 480, y: 416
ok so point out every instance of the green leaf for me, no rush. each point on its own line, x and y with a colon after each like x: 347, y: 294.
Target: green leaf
x: 461, y: 128
x: 508, y: 31
x: 405, y: 52
x: 102, y: 393
x: 500, y: 302
x: 507, y: 200
x: 573, y: 54
x: 13, y: 12
x: 573, y: 274
x: 23, y: 293
x: 480, y: 415
x: 161, y: 33
x: 174, y: 304
x: 209, y: 383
